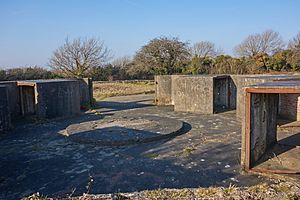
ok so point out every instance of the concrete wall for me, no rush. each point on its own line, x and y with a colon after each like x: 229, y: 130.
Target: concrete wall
x: 232, y: 94
x: 263, y: 126
x: 240, y: 107
x: 57, y: 99
x: 289, y: 106
x: 86, y: 93
x: 242, y: 81
x: 14, y: 99
x: 204, y: 94
x: 193, y: 94
x: 173, y: 78
x: 5, y: 119
x: 163, y: 90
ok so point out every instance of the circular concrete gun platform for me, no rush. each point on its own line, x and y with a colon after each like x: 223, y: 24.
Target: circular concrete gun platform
x: 125, y: 130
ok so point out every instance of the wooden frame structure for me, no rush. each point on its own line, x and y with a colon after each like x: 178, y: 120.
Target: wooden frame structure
x: 262, y: 90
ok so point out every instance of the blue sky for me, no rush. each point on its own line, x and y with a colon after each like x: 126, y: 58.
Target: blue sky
x: 30, y: 30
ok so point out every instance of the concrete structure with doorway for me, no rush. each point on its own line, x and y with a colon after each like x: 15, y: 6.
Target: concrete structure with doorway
x: 43, y: 99
x: 49, y: 98
x: 204, y: 94
x: 259, y: 132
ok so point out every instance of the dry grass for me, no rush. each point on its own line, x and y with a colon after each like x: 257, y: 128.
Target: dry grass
x: 109, y: 89
x: 278, y: 191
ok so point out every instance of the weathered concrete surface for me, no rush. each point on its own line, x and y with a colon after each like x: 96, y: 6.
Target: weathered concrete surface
x: 35, y: 157
x: 242, y: 81
x: 174, y: 77
x: 163, y: 89
x: 263, y: 124
x: 289, y: 106
x: 5, y: 119
x: 125, y: 130
x: 86, y: 93
x: 57, y: 99
x: 14, y: 99
x: 193, y: 94
x: 50, y: 98
x: 232, y: 94
x: 205, y: 94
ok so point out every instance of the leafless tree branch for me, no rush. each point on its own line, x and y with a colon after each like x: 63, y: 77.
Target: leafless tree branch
x: 268, y: 42
x: 75, y: 58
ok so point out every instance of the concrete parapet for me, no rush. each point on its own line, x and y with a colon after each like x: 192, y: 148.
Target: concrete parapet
x: 14, y: 99
x: 5, y: 119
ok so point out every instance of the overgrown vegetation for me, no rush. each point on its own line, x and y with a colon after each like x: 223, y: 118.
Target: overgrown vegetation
x: 27, y: 73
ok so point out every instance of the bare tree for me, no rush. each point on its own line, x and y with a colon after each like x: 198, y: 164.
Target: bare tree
x: 121, y: 62
x: 75, y: 58
x: 293, y: 57
x: 204, y: 49
x: 295, y: 42
x: 268, y: 42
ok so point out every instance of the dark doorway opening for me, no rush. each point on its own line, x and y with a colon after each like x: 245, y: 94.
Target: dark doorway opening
x: 222, y: 95
x: 27, y: 99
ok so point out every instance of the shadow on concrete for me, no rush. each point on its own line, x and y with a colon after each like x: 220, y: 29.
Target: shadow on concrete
x: 61, y: 123
x: 281, y: 147
x: 222, y: 109
x: 135, y: 169
x: 119, y: 136
x: 38, y: 160
x: 285, y: 122
x: 110, y: 106
x: 293, y: 140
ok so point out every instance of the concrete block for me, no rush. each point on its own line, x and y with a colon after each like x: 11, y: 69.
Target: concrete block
x: 50, y: 98
x: 204, y: 94
x: 5, y: 119
x: 14, y: 99
x: 86, y: 93
x: 163, y: 90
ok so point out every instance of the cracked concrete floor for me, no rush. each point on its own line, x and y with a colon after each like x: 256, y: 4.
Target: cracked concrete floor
x: 36, y: 158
